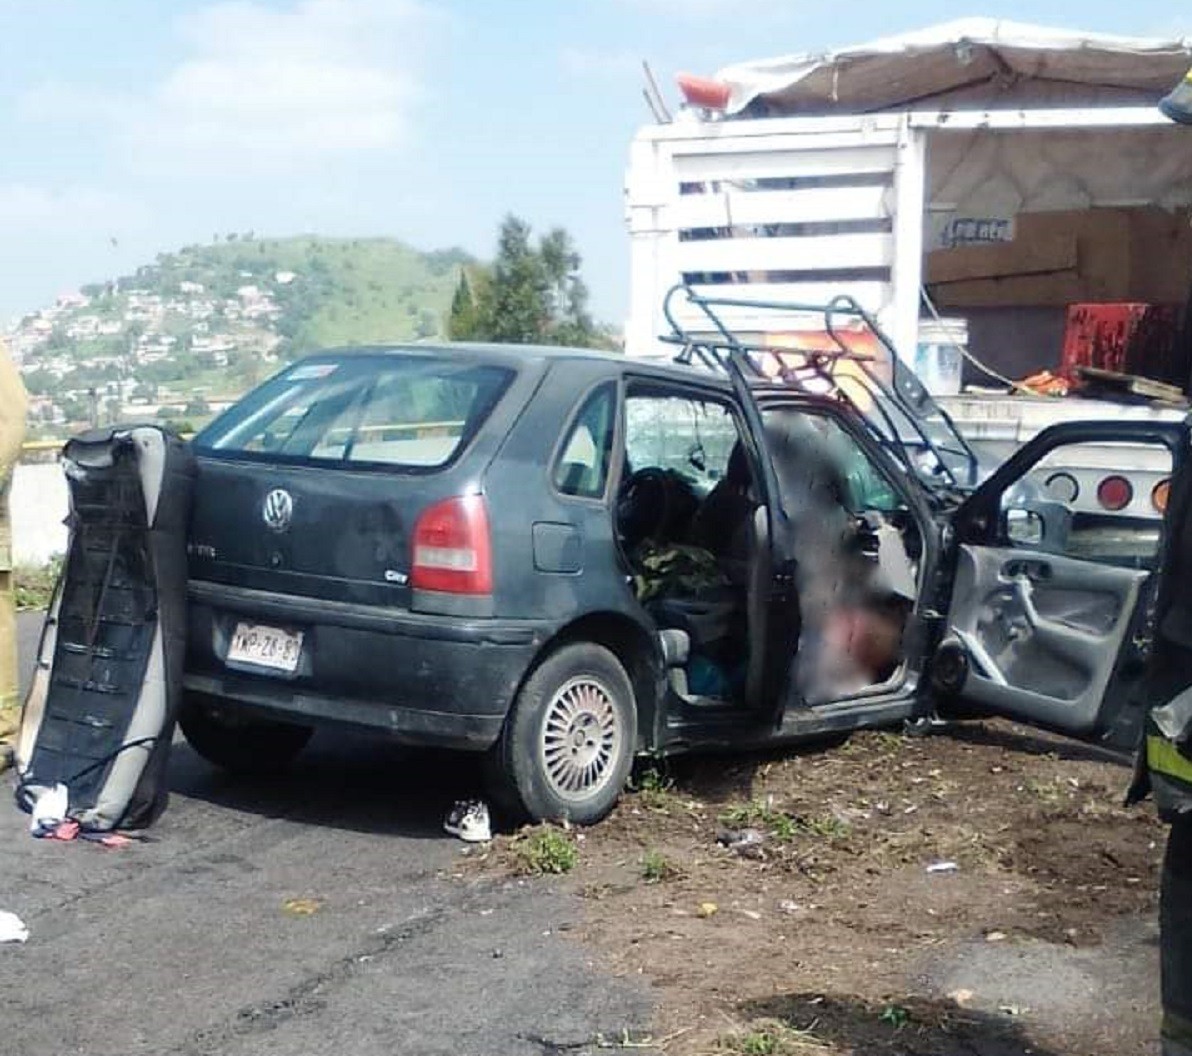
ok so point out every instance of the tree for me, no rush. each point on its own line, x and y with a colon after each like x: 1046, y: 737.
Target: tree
x: 464, y: 322
x: 517, y: 309
x: 568, y: 292
x: 530, y: 294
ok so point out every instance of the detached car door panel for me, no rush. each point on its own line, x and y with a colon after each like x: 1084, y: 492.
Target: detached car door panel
x: 1042, y: 631
x: 1056, y: 572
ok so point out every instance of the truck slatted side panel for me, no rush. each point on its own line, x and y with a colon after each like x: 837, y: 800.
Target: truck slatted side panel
x: 792, y: 216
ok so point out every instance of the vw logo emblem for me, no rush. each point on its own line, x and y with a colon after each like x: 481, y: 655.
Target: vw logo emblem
x: 277, y: 510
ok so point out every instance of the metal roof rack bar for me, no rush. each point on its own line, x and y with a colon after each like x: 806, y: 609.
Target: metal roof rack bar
x: 901, y: 397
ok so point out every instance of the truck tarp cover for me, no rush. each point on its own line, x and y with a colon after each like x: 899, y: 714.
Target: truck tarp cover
x: 971, y: 63
x: 100, y: 712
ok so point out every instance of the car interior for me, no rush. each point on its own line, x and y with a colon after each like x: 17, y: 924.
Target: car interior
x: 691, y: 522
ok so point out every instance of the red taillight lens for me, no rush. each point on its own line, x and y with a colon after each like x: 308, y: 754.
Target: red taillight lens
x: 1115, y: 493
x: 452, y: 550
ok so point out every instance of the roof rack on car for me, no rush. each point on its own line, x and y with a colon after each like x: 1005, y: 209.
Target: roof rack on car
x: 887, y: 395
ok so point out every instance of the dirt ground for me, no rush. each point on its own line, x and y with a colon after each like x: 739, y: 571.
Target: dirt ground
x: 902, y: 895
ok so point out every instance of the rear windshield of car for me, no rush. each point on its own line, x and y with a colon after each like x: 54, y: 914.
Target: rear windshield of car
x: 416, y: 412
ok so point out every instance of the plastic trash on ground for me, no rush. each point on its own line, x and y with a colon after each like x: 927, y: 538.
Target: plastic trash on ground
x: 12, y: 928
x: 943, y: 867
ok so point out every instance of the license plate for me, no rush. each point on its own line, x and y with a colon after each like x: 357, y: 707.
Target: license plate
x: 253, y: 643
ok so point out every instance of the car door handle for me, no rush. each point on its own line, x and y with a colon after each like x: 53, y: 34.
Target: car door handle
x: 1067, y: 641
x: 1036, y: 571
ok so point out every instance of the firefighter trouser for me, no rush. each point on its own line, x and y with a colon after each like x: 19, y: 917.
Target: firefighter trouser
x: 1175, y: 925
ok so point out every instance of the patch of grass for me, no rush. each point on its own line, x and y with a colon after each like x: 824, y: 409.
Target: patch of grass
x: 826, y: 826
x: 655, y: 789
x: 545, y: 850
x: 652, y: 779
x: 781, y: 824
x: 757, y: 1043
x: 887, y: 741
x: 1049, y: 792
x: 33, y: 585
x: 657, y: 867
x: 895, y: 1015
x: 771, y: 1037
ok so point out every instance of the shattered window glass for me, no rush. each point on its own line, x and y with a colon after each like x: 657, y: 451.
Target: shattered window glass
x: 692, y: 438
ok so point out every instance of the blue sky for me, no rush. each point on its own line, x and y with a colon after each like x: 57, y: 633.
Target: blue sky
x: 136, y: 126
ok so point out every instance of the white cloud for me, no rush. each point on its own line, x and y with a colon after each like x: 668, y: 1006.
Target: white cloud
x: 261, y: 84
x: 593, y: 62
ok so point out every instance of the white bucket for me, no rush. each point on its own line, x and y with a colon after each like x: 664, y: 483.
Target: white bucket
x: 938, y: 360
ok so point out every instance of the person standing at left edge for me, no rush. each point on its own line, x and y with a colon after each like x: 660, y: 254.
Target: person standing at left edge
x: 13, y: 403
x: 1164, y: 765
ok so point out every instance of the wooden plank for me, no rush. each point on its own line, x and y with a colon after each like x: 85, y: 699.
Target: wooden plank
x: 1049, y: 252
x: 813, y: 205
x: 754, y: 165
x: 815, y: 253
x: 1135, y: 384
x: 1058, y: 288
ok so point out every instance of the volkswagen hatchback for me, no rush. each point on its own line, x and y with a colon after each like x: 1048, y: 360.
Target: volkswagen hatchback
x: 562, y: 558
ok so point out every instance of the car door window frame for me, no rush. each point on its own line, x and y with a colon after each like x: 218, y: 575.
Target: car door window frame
x: 615, y: 444
x: 980, y: 522
x: 722, y: 400
x: 667, y: 388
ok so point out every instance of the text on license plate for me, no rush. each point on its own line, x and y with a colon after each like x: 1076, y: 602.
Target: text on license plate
x: 253, y: 643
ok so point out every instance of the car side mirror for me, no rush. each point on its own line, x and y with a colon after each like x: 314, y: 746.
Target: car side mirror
x: 1023, y: 527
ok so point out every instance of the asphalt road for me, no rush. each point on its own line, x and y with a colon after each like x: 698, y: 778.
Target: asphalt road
x: 184, y: 945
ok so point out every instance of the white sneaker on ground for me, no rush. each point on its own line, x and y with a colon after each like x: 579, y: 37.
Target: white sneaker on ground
x: 469, y: 821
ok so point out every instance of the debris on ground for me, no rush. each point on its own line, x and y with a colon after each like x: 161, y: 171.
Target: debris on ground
x: 838, y: 915
x: 12, y: 928
x: 745, y: 842
x: 943, y: 867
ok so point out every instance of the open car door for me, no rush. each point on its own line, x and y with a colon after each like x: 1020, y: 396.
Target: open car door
x: 1058, y: 558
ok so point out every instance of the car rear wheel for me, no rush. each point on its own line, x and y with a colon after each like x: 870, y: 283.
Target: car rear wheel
x: 243, y: 746
x: 568, y: 744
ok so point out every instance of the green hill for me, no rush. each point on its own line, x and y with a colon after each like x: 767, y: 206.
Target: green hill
x: 204, y: 324
x: 345, y: 290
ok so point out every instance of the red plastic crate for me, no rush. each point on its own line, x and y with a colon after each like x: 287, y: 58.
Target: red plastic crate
x: 1126, y: 338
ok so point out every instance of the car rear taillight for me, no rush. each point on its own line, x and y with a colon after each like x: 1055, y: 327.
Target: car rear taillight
x: 1114, y: 493
x: 1160, y: 494
x: 452, y: 549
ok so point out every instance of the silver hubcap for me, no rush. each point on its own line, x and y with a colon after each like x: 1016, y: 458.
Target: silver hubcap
x: 581, y: 738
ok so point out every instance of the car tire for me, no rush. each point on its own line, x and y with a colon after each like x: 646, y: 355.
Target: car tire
x: 241, y: 746
x: 568, y: 744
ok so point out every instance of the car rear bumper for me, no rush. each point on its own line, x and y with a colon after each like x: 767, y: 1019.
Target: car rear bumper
x: 433, y: 680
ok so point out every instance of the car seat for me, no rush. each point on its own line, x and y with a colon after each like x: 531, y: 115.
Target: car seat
x: 721, y: 524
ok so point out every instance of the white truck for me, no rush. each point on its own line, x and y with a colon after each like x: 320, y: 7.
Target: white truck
x: 965, y: 184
